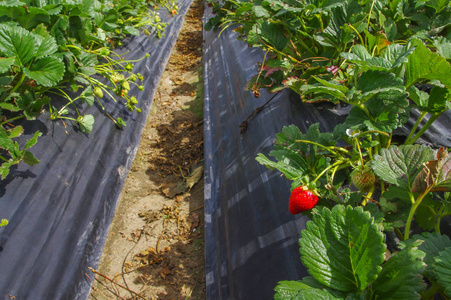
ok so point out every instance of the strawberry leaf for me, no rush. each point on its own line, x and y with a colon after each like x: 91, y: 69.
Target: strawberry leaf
x: 272, y: 34
x: 30, y: 159
x: 433, y: 244
x: 343, y: 248
x: 307, y: 289
x: 426, y: 65
x: 31, y: 142
x: 442, y: 268
x: 4, y: 168
x: 47, y: 46
x: 400, y: 165
x: 17, y: 42
x: 6, y: 63
x: 88, y: 96
x: 426, y: 214
x: 401, y: 275
x: 290, y: 163
x: 46, y: 71
x: 86, y: 123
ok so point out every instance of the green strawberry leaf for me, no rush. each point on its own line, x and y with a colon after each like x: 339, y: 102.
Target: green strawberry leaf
x: 329, y: 90
x: 31, y: 142
x: 375, y: 81
x: 397, y: 54
x: 433, y: 244
x: 420, y: 98
x: 59, y: 28
x: 426, y: 214
x: 4, y: 168
x: 307, y: 289
x: 401, y: 278
x: 442, y: 269
x: 290, y: 163
x: 289, y: 135
x: 86, y: 123
x: 131, y: 30
x: 6, y: 63
x: 46, y: 71
x: 343, y: 248
x: 33, y: 17
x: 5, y: 140
x: 383, y: 114
x: 15, y: 132
x: 88, y: 95
x: 400, y: 165
x: 30, y: 159
x: 260, y: 12
x: 438, y: 99
x: 272, y: 34
x: 426, y: 65
x: 438, y: 5
x: 443, y: 46
x: 17, y: 42
x: 47, y: 46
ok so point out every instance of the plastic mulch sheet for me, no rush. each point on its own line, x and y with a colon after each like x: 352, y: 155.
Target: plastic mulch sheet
x: 251, y: 238
x: 60, y: 210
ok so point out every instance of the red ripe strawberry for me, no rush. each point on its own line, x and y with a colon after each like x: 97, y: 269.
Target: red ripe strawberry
x: 301, y: 199
x: 363, y: 178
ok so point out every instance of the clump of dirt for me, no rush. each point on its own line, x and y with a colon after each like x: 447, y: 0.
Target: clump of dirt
x: 155, y: 248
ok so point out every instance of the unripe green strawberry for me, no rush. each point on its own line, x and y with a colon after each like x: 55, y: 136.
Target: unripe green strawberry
x: 98, y: 92
x: 301, y: 199
x: 126, y: 85
x: 363, y: 178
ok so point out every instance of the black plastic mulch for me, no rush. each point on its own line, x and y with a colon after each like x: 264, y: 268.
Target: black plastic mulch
x: 60, y: 210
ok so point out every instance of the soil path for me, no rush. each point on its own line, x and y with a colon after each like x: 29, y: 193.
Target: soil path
x: 155, y: 247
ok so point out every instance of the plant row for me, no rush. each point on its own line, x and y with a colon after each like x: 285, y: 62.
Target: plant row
x: 59, y: 56
x: 360, y: 186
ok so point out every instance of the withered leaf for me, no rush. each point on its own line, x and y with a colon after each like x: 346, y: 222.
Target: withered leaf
x: 436, y: 175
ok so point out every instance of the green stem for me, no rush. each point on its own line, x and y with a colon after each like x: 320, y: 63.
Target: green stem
x: 437, y: 224
x: 430, y: 293
x: 336, y: 164
x: 365, y: 110
x: 415, y: 126
x: 19, y: 83
x: 425, y: 127
x: 369, y: 15
x: 358, y: 34
x: 372, y: 131
x: 415, y: 204
x: 12, y: 119
x: 360, y: 151
x: 68, y: 118
x: 324, y: 147
x: 368, y: 196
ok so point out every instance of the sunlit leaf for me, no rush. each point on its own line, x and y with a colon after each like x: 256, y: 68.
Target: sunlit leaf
x: 400, y: 165
x: 343, y: 248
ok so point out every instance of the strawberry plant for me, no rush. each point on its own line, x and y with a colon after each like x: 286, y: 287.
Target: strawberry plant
x: 305, y: 38
x: 53, y: 50
x: 384, y: 59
